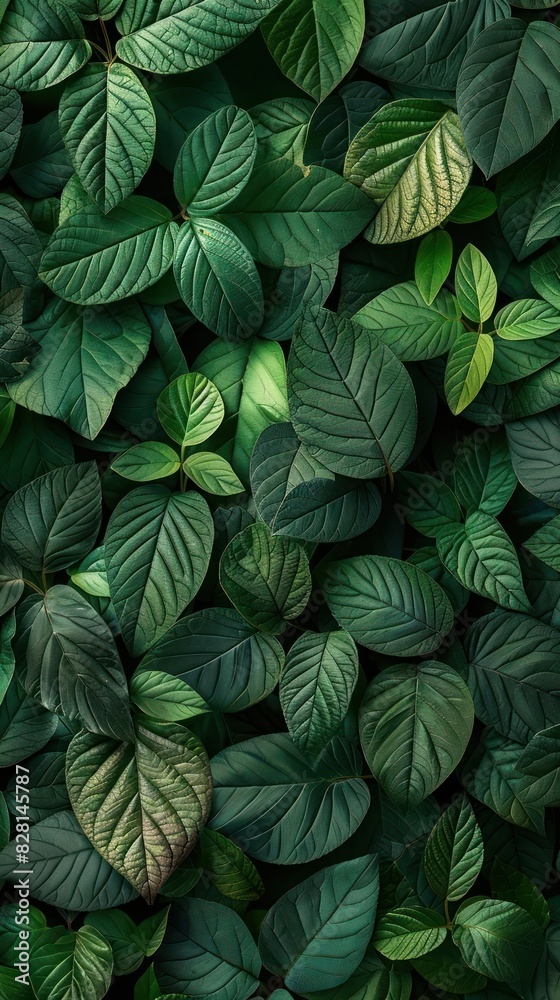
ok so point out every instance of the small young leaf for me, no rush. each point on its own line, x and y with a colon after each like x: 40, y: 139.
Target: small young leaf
x: 475, y: 284
x: 212, y: 473
x: 147, y: 461
x: 409, y: 932
x: 454, y: 851
x: 433, y: 263
x: 190, y: 409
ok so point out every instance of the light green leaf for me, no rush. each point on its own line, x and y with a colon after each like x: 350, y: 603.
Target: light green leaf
x: 147, y: 461
x: 316, y: 935
x: 11, y: 118
x: 212, y: 473
x: 228, y: 662
x: 433, y: 263
x: 289, y: 215
x: 498, y: 939
x: 72, y: 664
x: 475, y: 284
x: 371, y: 430
x: 388, y: 605
x: 157, y: 550
x: 508, y: 92
x: 514, y: 673
x: 67, y: 871
x: 40, y: 45
x: 409, y: 932
x: 411, y: 159
x: 413, y: 330
x: 54, y: 520
x: 454, y: 851
x: 526, y: 319
x: 415, y: 724
x: 165, y: 698
x: 217, y: 278
x: 316, y: 686
x: 20, y: 248
x: 208, y: 951
x: 231, y: 871
x: 315, y: 44
x: 483, y: 558
x: 190, y: 409
x: 94, y: 258
x: 468, y: 364
x: 278, y: 807
x: 215, y: 161
x: 109, y: 128
x: 67, y: 964
x: 484, y: 476
x: 266, y: 577
x: 141, y: 804
x: 180, y: 36
x: 91, y: 575
x: 86, y: 356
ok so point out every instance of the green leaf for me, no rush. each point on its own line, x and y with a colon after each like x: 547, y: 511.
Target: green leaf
x: 7, y: 658
x: 445, y: 969
x: 511, y: 885
x: 476, y: 204
x: 315, y: 45
x: 165, y: 698
x: 388, y: 605
x: 484, y: 477
x: 11, y: 118
x: 208, y: 950
x: 11, y: 581
x: 141, y: 804
x: 109, y: 128
x: 546, y: 221
x: 425, y: 47
x: 46, y: 777
x: 523, y: 190
x: 19, y: 246
x: 288, y: 215
x: 413, y: 330
x: 475, y: 284
x: 225, y: 660
x: 409, y: 932
x: 217, y: 278
x: 178, y: 37
x: 545, y: 276
x: 497, y: 938
x: 544, y: 544
x: 468, y: 364
x: 266, y: 577
x: 25, y: 726
x: 71, y: 963
x: 482, y: 557
x: 91, y: 10
x: 325, y: 511
x: 86, y: 356
x: 280, y: 809
x: 526, y: 319
x: 190, y: 409
x: 91, y: 575
x: 541, y: 756
x: 372, y: 980
x: 411, y: 159
x: 369, y: 432
x: 122, y: 934
x: 508, y: 93
x: 54, y: 521
x: 316, y: 935
x: 215, y: 161
x: 433, y: 263
x: 72, y: 663
x: 232, y: 873
x: 67, y: 871
x: 316, y: 686
x: 40, y: 45
x: 157, y: 550
x: 492, y: 775
x: 147, y: 461
x: 534, y: 445
x: 454, y: 851
x: 415, y: 724
x: 212, y: 473
x: 513, y: 673
x: 428, y: 503
x: 94, y: 258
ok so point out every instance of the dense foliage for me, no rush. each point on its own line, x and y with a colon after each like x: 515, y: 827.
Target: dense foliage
x: 280, y: 491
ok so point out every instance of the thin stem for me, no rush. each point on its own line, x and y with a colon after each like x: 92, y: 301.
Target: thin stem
x: 182, y: 476
x: 33, y: 587
x: 102, y: 52
x: 44, y: 581
x: 107, y: 40
x: 447, y: 914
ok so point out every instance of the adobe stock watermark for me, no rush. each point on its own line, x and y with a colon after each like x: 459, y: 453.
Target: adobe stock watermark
x: 24, y: 871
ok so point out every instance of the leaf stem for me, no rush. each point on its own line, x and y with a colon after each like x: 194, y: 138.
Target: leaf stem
x: 182, y: 475
x: 447, y: 914
x: 37, y: 590
x: 107, y: 40
x: 102, y: 52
